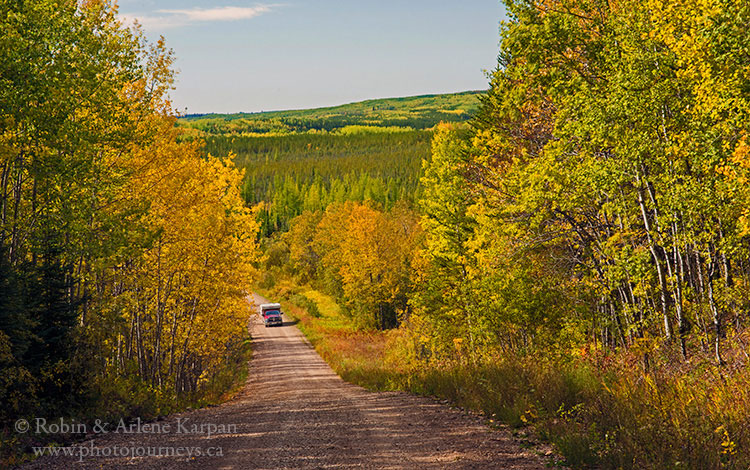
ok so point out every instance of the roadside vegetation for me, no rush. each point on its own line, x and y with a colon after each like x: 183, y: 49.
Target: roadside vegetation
x: 599, y: 411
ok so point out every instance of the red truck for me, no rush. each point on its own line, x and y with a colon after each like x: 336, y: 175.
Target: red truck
x: 271, y: 314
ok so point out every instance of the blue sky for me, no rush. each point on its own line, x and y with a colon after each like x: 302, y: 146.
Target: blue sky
x: 238, y: 56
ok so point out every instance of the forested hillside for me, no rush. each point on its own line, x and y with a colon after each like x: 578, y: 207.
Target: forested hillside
x: 308, y: 159
x: 418, y: 112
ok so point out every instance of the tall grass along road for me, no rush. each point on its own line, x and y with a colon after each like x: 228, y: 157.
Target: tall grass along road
x: 295, y: 412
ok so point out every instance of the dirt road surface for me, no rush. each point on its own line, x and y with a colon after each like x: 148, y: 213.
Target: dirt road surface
x: 295, y: 412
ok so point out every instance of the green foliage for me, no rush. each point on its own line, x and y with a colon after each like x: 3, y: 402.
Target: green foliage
x: 303, y: 302
x: 55, y: 58
x: 597, y: 189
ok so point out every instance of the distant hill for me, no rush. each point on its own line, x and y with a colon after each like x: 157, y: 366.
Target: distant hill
x: 416, y: 112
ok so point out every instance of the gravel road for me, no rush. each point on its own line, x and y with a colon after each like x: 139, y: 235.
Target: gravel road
x: 295, y: 412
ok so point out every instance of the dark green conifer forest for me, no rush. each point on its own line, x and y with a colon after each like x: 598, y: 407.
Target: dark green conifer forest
x: 306, y: 160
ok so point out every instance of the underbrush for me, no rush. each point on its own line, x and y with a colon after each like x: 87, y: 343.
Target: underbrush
x: 613, y: 417
x: 126, y: 398
x: 598, y: 410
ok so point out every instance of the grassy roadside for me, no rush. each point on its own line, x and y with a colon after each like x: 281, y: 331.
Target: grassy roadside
x: 357, y: 356
x: 597, y: 411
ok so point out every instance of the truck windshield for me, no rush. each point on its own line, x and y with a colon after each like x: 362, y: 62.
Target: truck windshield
x: 271, y: 312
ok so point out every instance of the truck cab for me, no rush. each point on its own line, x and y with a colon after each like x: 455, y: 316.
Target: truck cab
x: 271, y: 314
